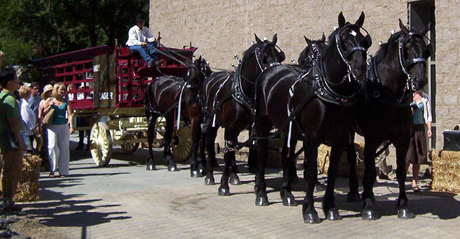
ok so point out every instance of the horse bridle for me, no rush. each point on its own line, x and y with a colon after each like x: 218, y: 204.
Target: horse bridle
x: 260, y: 56
x: 346, y: 56
x: 406, y: 65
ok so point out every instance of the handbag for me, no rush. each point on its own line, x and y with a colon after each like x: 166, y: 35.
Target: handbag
x: 48, y: 118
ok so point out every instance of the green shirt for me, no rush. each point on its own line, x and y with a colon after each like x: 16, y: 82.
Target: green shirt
x: 9, y: 109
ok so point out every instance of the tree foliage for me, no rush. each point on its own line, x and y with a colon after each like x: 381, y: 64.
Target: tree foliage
x: 30, y: 29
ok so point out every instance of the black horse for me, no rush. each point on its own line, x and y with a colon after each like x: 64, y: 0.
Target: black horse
x: 384, y: 112
x: 228, y: 98
x: 315, y: 107
x: 163, y: 97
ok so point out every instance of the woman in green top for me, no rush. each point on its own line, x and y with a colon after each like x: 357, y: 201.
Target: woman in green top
x: 421, y: 123
x: 58, y: 131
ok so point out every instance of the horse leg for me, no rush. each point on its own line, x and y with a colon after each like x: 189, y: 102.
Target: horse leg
x: 288, y: 160
x: 369, y: 211
x: 150, y: 137
x: 260, y: 188
x: 404, y: 212
x: 330, y: 209
x: 310, y: 215
x: 234, y: 179
x: 231, y: 139
x: 252, y: 161
x: 353, y: 184
x: 167, y: 147
x: 210, y: 139
x: 197, y: 169
x: 293, y: 163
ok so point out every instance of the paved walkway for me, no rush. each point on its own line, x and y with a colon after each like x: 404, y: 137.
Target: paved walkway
x: 126, y: 201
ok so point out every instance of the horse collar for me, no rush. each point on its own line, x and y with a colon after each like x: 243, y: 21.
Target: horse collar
x: 374, y: 89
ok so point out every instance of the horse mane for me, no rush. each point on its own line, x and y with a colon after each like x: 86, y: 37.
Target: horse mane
x: 385, y: 47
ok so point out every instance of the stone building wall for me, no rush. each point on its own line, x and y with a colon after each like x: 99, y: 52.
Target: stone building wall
x: 447, y: 68
x: 221, y: 29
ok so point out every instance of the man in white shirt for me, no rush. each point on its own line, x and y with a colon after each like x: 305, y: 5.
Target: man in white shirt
x: 141, y: 40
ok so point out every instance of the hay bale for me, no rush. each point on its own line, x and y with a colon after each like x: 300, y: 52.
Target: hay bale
x: 446, y: 168
x: 28, y: 185
x: 324, y: 153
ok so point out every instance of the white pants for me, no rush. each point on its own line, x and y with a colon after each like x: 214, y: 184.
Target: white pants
x: 58, y: 148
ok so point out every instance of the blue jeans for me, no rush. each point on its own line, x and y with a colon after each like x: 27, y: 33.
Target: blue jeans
x: 148, y: 53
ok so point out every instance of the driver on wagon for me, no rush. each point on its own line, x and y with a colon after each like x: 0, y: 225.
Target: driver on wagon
x: 141, y: 40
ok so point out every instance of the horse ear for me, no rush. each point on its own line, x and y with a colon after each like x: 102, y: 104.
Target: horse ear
x: 341, y: 20
x: 275, y: 39
x: 403, y: 28
x: 323, y: 39
x: 428, y: 27
x: 360, y: 21
x: 308, y: 41
x: 259, y: 42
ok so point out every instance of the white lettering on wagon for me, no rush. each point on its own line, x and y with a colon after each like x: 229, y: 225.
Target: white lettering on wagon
x: 106, y: 96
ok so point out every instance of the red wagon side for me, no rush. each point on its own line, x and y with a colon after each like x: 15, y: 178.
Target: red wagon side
x: 107, y: 87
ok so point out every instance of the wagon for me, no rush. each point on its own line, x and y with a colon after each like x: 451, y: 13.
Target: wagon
x: 106, y: 87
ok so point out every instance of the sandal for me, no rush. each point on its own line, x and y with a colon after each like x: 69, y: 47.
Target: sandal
x: 416, y: 189
x: 51, y: 175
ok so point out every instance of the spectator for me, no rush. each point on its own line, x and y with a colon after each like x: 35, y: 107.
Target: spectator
x: 141, y: 40
x: 417, y: 152
x: 46, y: 99
x: 58, y: 131
x: 27, y: 115
x: 10, y: 120
x: 34, y: 100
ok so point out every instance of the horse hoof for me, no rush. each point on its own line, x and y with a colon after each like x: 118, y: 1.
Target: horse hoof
x: 195, y: 174
x: 173, y: 168
x: 209, y: 181
x: 311, y: 218
x: 262, y: 201
x: 370, y: 214
x: 333, y: 215
x: 289, y: 201
x: 151, y: 167
x: 405, y: 213
x: 353, y: 197
x: 234, y: 180
x: 224, y: 191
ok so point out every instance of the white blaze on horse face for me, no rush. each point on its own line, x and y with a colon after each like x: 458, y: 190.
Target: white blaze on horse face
x: 353, y: 33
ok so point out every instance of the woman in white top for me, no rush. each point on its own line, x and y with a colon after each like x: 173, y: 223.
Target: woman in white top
x: 27, y: 115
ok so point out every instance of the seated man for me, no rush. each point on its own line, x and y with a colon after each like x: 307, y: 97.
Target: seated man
x: 141, y: 40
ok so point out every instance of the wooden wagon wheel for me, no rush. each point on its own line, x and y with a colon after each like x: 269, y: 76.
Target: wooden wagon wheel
x: 182, y: 144
x: 128, y: 147
x: 101, y: 144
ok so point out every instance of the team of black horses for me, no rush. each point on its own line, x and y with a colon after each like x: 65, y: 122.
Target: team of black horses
x: 334, y: 91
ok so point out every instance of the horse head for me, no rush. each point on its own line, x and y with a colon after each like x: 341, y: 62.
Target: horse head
x: 312, y: 51
x: 413, y: 53
x: 352, y: 45
x: 197, y: 72
x: 261, y: 55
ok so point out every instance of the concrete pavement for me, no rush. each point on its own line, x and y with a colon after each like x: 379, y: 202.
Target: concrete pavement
x: 124, y: 200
